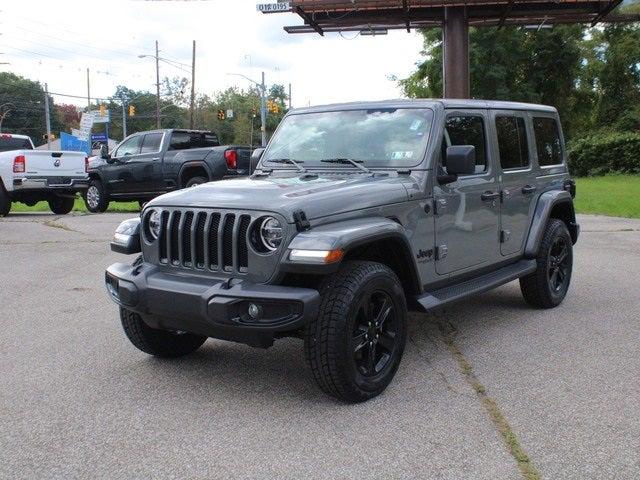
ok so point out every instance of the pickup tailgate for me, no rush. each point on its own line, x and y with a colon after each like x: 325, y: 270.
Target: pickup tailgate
x: 45, y: 163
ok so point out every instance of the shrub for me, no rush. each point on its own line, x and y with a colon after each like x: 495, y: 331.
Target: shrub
x: 600, y: 154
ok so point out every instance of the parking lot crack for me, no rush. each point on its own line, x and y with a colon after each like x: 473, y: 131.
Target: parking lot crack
x: 55, y: 224
x: 528, y: 470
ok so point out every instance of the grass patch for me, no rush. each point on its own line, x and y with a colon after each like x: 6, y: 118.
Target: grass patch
x: 613, y: 195
x: 77, y: 207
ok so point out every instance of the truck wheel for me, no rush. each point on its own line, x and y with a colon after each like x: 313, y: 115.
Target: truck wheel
x: 355, y: 343
x: 548, y: 285
x: 196, y: 181
x: 96, y: 199
x: 160, y: 343
x: 61, y: 205
x: 5, y: 202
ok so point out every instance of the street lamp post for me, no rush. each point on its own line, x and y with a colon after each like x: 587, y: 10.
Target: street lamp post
x: 263, y: 104
x: 157, y: 58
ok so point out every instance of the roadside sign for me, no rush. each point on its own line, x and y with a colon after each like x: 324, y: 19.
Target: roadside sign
x: 229, y: 113
x: 97, y: 118
x: 98, y: 137
x: 274, y: 7
x: 86, y: 122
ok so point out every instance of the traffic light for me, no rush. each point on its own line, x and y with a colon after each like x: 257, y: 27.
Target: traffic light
x: 273, y: 107
x: 132, y: 110
x: 254, y: 112
x: 51, y: 136
x: 102, y: 110
x: 221, y: 114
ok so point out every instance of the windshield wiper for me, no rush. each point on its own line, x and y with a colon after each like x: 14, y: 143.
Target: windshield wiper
x: 346, y: 161
x: 296, y: 163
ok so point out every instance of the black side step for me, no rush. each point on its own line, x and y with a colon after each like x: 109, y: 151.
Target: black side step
x: 488, y: 281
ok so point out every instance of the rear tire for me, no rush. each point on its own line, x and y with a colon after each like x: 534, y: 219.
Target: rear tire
x: 355, y: 344
x: 548, y: 285
x: 159, y: 343
x: 61, y: 205
x: 96, y: 198
x: 5, y: 202
x: 192, y: 182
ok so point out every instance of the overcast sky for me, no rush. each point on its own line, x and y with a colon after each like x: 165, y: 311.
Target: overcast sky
x: 55, y: 42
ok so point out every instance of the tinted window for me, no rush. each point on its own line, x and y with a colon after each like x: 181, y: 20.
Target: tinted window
x: 130, y: 146
x: 151, y: 143
x: 512, y: 142
x: 187, y: 140
x: 467, y: 130
x: 547, y: 141
x: 8, y: 143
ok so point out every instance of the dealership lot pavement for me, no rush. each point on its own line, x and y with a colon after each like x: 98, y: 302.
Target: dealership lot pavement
x: 78, y: 401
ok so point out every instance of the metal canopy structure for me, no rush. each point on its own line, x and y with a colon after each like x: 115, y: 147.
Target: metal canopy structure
x: 454, y: 16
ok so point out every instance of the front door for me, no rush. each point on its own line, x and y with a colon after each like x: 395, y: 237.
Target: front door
x: 118, y: 172
x: 467, y: 210
x: 513, y: 139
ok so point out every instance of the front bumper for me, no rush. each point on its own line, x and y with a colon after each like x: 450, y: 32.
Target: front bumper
x: 213, y: 307
x: 50, y: 183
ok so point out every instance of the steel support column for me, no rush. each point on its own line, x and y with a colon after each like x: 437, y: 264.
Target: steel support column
x: 455, y: 55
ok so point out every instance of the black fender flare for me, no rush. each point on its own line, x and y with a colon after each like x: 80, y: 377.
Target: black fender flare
x: 546, y: 203
x: 350, y: 234
x: 191, y: 164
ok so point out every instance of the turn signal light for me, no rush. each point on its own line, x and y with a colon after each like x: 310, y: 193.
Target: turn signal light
x: 19, y: 164
x: 316, y: 256
x: 231, y: 156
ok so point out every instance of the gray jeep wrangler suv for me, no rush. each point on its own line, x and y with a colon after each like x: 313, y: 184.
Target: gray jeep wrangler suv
x: 355, y: 214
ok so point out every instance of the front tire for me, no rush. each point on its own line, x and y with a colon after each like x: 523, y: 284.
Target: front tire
x: 61, y: 205
x: 159, y: 343
x: 96, y: 198
x: 355, y: 344
x: 548, y: 285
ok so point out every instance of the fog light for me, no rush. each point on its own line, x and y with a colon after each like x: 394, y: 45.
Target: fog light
x: 255, y: 311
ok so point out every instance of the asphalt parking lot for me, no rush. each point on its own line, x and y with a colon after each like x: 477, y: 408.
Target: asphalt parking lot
x: 78, y: 401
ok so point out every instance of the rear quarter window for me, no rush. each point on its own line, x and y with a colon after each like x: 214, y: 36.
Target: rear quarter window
x: 548, y: 142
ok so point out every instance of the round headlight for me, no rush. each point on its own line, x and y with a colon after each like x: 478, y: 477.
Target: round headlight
x: 155, y: 224
x: 271, y: 233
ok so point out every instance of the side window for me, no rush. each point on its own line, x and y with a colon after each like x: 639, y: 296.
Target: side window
x: 467, y: 130
x: 512, y: 142
x: 548, y: 142
x: 151, y: 143
x: 180, y: 141
x: 129, y: 147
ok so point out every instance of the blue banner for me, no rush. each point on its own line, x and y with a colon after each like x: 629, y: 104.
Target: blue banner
x: 71, y: 143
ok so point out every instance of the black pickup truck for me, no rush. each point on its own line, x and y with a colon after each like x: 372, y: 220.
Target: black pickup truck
x: 147, y: 164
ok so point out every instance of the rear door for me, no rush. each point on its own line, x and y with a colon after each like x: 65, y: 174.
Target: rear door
x: 148, y: 163
x: 513, y: 140
x: 467, y: 210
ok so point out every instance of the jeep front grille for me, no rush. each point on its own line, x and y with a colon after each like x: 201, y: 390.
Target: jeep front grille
x: 205, y: 240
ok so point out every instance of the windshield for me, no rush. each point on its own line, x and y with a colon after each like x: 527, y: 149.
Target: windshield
x: 381, y: 137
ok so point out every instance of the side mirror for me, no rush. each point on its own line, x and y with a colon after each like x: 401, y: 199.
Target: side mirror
x: 460, y: 160
x: 255, y: 159
x: 104, y: 152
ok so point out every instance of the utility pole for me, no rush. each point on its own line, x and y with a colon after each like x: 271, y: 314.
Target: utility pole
x: 263, y: 111
x: 193, y: 83
x: 124, y: 119
x: 88, y: 93
x: 289, y: 96
x: 46, y: 114
x: 157, y: 87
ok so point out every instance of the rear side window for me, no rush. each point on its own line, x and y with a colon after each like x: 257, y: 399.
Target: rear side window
x: 467, y: 130
x: 512, y: 142
x: 187, y: 140
x: 8, y: 143
x: 151, y: 143
x: 548, y: 142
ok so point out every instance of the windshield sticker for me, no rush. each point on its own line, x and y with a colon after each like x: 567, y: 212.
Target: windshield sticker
x: 416, y: 124
x: 401, y: 155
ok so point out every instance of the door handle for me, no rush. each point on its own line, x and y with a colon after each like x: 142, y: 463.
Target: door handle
x: 155, y: 158
x: 527, y: 189
x: 489, y: 196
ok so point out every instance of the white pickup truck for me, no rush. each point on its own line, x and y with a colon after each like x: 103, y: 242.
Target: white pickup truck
x: 30, y: 176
